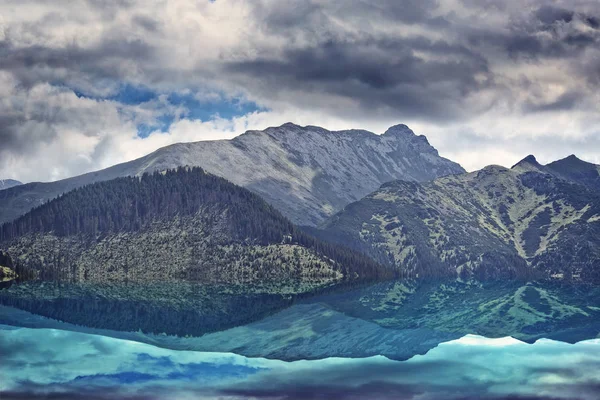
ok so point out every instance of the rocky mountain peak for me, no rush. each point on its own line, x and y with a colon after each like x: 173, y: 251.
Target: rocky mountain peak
x: 528, y: 164
x: 575, y: 169
x: 290, y: 125
x: 571, y: 162
x: 400, y: 130
x: 277, y: 130
x: 529, y: 160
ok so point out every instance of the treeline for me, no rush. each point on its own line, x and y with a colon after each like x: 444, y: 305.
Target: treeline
x: 129, y: 204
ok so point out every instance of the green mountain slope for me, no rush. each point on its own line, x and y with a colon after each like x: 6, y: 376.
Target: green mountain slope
x: 179, y: 224
x: 495, y: 222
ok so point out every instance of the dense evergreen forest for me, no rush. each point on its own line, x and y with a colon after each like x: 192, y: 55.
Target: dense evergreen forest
x: 128, y: 204
x: 186, y: 202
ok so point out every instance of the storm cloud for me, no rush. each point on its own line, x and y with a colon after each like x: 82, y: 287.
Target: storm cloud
x: 510, y: 73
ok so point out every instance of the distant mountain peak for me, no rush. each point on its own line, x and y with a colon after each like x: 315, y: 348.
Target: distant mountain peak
x: 572, y: 160
x: 575, y: 169
x: 8, y: 183
x: 290, y: 125
x: 529, y: 163
x: 400, y: 129
x: 489, y: 171
x: 529, y: 160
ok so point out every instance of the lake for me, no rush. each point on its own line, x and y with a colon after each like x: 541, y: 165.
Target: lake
x: 401, y: 339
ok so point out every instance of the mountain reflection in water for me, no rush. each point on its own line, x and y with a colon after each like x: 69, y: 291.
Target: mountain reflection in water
x: 394, y: 319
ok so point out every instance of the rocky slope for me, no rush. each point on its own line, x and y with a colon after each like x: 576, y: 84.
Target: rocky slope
x: 8, y: 183
x: 493, y: 222
x: 308, y: 173
x: 179, y: 224
x: 571, y: 169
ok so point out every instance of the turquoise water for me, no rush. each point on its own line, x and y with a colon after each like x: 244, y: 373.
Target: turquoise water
x: 39, y: 362
x: 393, y: 340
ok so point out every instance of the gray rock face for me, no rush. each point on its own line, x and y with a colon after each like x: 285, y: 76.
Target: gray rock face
x: 8, y: 183
x: 308, y: 173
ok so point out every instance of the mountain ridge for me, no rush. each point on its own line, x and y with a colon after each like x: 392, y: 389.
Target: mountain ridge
x: 308, y: 173
x: 570, y: 168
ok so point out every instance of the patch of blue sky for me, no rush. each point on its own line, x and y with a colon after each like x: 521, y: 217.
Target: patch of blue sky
x: 126, y: 94
x: 161, y: 124
x: 133, y: 95
x: 196, y: 106
x: 218, y: 106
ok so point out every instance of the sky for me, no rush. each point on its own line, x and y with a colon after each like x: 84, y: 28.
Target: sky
x: 85, y: 84
x: 47, y: 363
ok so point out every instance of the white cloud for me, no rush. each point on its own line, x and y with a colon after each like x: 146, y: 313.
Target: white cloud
x: 486, y: 82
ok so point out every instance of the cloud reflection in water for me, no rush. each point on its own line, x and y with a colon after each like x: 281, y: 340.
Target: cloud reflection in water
x: 47, y: 363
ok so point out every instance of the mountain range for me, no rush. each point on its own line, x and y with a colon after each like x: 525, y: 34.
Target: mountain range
x: 307, y: 173
x: 496, y: 222
x: 400, y: 207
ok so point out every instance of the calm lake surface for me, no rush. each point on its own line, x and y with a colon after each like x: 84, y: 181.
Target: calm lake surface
x: 402, y: 339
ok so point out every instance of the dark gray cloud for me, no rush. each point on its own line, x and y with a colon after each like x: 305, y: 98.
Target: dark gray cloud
x: 423, y: 61
x: 547, y: 32
x: 380, y: 73
x: 549, y: 15
x: 97, y: 66
x: 145, y: 22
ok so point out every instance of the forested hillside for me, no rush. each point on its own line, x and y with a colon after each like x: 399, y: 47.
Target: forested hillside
x: 178, y: 224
